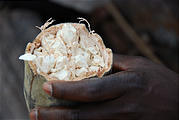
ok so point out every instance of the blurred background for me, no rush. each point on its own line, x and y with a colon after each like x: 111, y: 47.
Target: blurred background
x: 131, y: 27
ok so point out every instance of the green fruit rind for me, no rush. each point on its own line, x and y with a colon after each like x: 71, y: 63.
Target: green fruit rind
x: 35, y: 95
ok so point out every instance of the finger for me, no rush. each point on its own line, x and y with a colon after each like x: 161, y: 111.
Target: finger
x: 104, y: 110
x: 53, y: 113
x: 121, y: 62
x: 94, y: 89
x: 125, y: 63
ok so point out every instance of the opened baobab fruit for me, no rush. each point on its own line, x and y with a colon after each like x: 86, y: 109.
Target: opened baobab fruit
x: 64, y: 51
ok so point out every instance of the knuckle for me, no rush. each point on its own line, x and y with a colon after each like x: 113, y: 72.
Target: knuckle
x: 93, y: 92
x: 135, y: 75
x: 66, y: 115
x: 140, y: 80
x: 138, y: 76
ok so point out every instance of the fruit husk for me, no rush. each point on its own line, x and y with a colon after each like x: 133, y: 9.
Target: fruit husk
x: 33, y: 92
x: 35, y: 95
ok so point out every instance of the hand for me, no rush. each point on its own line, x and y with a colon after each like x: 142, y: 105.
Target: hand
x: 142, y: 90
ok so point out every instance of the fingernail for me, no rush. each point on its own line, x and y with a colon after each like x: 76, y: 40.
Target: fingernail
x: 47, y: 88
x: 33, y: 114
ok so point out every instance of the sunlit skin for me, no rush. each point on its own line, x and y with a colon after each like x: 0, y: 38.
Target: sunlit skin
x: 138, y: 90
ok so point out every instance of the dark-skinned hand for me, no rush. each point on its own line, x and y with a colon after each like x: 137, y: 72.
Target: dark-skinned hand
x: 138, y: 90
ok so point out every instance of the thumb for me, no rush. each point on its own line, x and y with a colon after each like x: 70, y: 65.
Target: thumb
x: 94, y: 89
